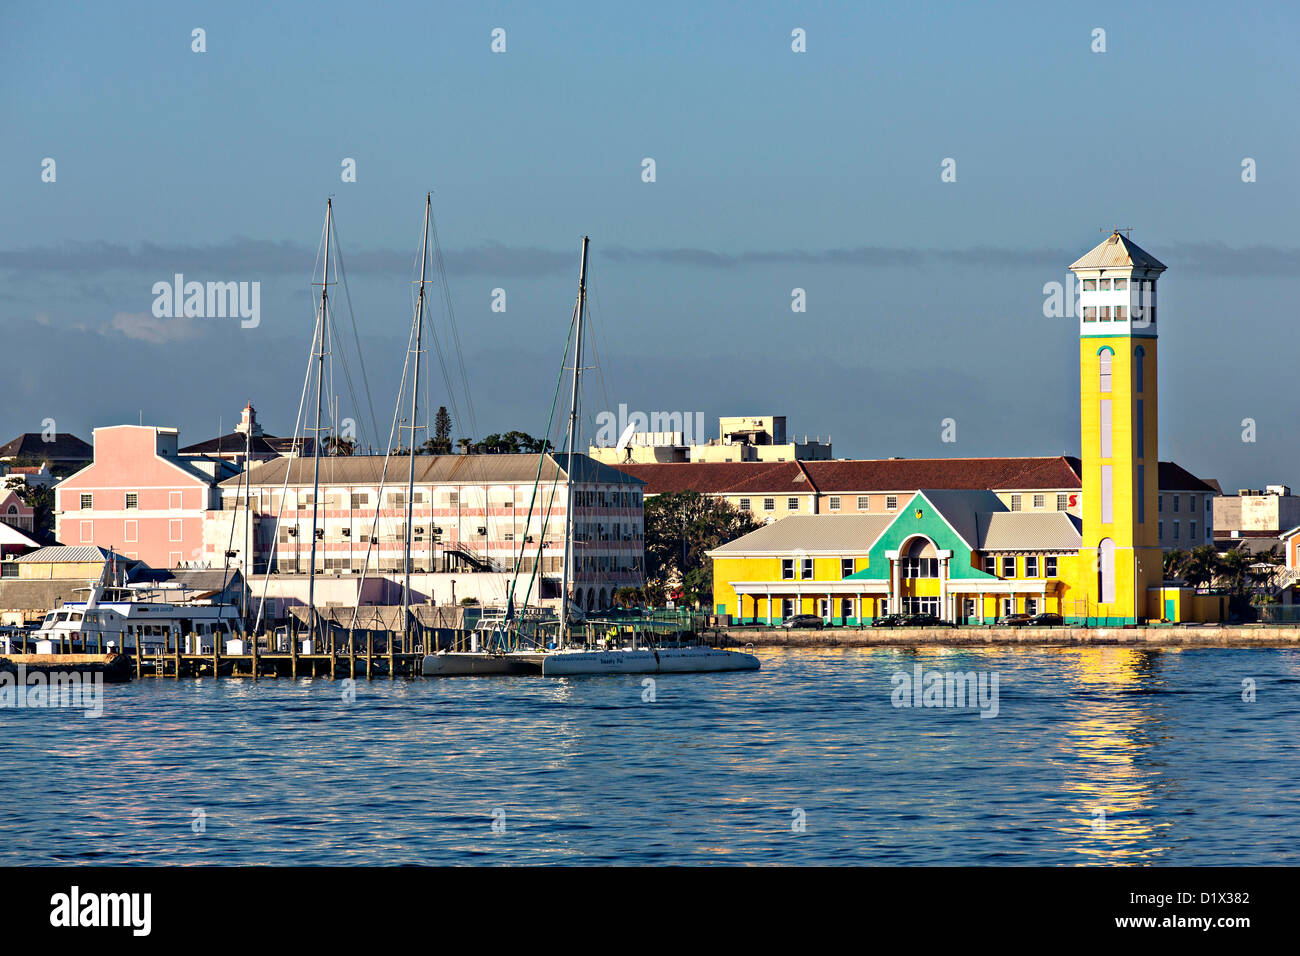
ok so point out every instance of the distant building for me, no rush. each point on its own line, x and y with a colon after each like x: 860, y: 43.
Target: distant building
x: 749, y: 438
x: 248, y: 440
x: 141, y: 497
x: 771, y: 491
x: 35, y: 476
x: 1270, y: 509
x: 16, y: 513
x: 60, y: 448
x: 33, y: 583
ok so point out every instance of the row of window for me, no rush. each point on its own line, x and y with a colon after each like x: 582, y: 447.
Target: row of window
x: 833, y: 503
x: 131, y: 501
x: 1031, y: 565
x: 1040, y: 501
x: 1191, y: 530
x: 805, y: 568
x: 1191, y: 503
x: 131, y: 530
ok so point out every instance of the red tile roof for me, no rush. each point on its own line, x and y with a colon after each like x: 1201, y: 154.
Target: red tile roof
x: 881, y: 474
x: 905, y: 474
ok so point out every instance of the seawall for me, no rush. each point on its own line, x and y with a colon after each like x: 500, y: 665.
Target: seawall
x: 1252, y: 635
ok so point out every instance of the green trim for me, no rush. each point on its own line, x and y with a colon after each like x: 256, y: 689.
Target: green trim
x: 1113, y: 335
x: 931, y: 524
x: 1106, y: 348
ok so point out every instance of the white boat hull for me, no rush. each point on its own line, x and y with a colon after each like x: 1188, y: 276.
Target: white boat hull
x: 672, y: 660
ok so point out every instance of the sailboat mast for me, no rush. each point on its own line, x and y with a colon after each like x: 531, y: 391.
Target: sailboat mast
x: 248, y: 524
x: 573, y: 440
x: 320, y: 381
x: 415, y: 398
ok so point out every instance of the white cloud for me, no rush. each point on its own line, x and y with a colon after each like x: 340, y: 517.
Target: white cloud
x: 147, y: 328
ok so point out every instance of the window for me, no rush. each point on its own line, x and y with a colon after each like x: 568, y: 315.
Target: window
x: 1207, y: 503
x: 132, y: 531
x: 823, y: 607
x: 769, y: 504
x: 1107, y: 494
x: 1120, y: 284
x: 1139, y: 430
x: 1009, y: 567
x: 1103, y: 369
x: 744, y: 504
x: 1138, y: 361
x: 1106, y: 571
x: 920, y: 568
x: 1089, y: 285
x: 1175, y: 497
x: 1090, y: 313
x: 792, y: 504
x: 1031, y: 605
x: 1040, y: 501
x: 87, y: 502
x: 1160, y: 529
x: 132, y: 500
x: 1141, y: 492
x: 990, y: 564
x: 1175, y: 530
x: 1015, y: 502
x: 835, y: 503
x: 1008, y: 606
x: 1160, y: 503
x: 891, y: 502
x: 846, y: 608
x: 807, y: 571
x: 174, y: 500
x: 1191, y: 530
x: 174, y: 529
x: 787, y: 607
x: 787, y: 569
x: 87, y: 532
x: 846, y: 567
x: 864, y: 503
x: 1105, y: 428
x: 1031, y: 566
x: 1049, y: 566
x: 1062, y: 502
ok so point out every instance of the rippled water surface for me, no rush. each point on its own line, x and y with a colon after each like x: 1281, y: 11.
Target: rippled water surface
x: 714, y: 770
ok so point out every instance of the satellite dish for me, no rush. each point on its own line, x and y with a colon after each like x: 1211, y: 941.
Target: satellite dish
x: 625, y: 439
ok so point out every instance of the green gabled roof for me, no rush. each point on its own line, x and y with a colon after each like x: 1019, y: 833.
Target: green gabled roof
x: 951, y: 519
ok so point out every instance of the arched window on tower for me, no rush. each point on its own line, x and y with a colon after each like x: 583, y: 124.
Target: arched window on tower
x: 1106, y: 571
x: 1139, y: 359
x: 1103, y: 368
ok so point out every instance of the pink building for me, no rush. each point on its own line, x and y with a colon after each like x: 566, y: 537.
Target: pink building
x: 140, y: 497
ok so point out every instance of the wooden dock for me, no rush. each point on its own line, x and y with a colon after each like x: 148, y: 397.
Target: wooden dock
x: 367, y: 654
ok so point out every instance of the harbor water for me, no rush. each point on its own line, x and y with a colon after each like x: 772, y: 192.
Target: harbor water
x: 825, y: 756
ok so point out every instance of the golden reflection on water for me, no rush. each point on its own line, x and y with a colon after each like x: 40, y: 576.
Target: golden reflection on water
x: 1108, y: 785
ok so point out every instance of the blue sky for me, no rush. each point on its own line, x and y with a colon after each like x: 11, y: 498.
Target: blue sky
x: 775, y: 170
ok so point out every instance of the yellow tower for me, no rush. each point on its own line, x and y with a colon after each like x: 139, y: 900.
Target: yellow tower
x: 1120, y: 558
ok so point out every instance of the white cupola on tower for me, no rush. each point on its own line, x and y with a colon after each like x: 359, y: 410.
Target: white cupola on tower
x: 248, y: 423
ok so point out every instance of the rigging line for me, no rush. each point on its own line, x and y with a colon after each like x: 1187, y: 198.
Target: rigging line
x: 541, y: 458
x: 599, y: 331
x: 347, y: 295
x: 451, y: 314
x: 295, y: 447
x: 383, y: 477
x: 437, y: 343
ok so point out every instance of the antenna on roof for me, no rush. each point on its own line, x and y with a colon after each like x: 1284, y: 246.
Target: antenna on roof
x: 1116, y: 230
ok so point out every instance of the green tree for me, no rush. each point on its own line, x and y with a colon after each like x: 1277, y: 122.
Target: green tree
x: 679, y: 529
x: 440, y: 443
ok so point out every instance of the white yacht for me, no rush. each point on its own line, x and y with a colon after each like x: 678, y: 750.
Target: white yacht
x: 126, y: 618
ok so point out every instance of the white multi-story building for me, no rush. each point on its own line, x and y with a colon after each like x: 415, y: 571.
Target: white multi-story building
x: 471, y: 513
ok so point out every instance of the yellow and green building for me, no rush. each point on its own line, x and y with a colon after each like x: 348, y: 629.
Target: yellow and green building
x: 963, y: 554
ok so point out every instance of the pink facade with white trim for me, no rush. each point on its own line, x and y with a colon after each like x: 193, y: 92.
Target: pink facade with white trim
x: 140, y: 497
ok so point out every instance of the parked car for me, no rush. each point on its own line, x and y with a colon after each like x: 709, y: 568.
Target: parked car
x: 810, y: 621
x: 923, y: 620
x: 1015, y: 620
x: 889, y: 620
x: 1046, y: 619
